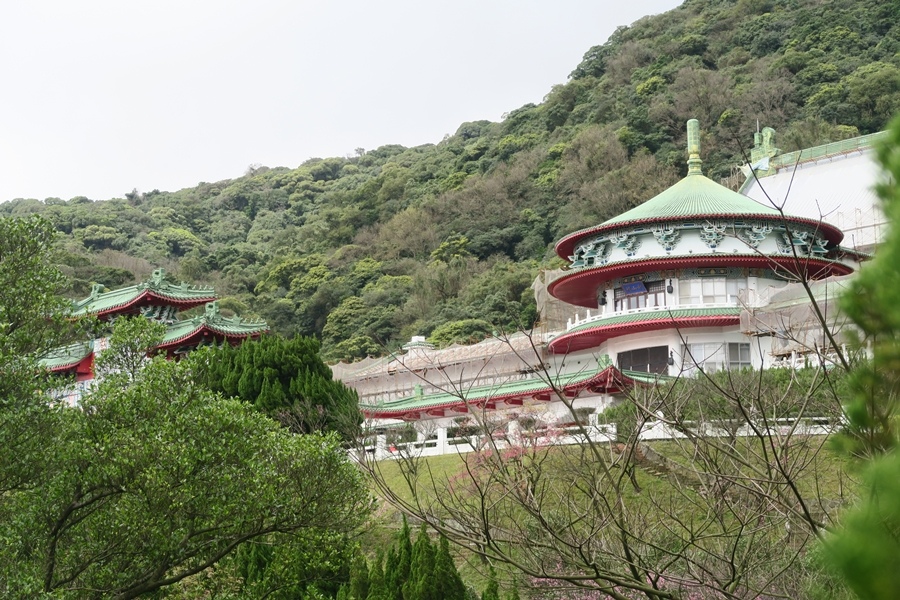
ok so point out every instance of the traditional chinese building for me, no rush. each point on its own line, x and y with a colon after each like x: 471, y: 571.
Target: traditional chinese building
x: 665, y: 282
x: 159, y: 300
x: 658, y: 291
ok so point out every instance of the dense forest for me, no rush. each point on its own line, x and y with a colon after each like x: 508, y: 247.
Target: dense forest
x: 445, y: 239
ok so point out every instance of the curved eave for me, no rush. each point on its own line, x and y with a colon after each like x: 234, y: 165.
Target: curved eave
x: 79, y: 367
x: 204, y: 330
x: 566, y: 246
x: 580, y: 287
x: 609, y: 380
x: 147, y: 298
x: 593, y: 336
x: 855, y: 254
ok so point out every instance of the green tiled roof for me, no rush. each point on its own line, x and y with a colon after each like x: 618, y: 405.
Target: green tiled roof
x: 67, y: 356
x: 213, y: 321
x: 483, y: 392
x: 694, y: 196
x: 508, y: 389
x: 100, y: 302
x: 655, y: 315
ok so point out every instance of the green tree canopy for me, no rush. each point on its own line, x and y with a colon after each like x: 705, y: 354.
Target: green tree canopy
x: 286, y: 380
x: 152, y: 478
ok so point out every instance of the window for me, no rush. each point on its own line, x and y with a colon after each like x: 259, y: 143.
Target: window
x: 645, y: 360
x: 640, y: 295
x: 739, y: 356
x: 715, y: 356
x: 710, y: 290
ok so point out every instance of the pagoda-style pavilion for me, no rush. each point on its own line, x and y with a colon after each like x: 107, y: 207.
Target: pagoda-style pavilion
x: 162, y: 301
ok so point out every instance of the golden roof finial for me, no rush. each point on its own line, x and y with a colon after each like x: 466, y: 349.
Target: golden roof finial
x: 693, y: 143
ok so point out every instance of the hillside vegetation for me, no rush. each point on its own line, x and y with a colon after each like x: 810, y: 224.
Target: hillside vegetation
x: 445, y: 239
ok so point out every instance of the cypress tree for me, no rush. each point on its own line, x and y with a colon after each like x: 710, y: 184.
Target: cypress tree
x: 492, y: 591
x: 404, y: 557
x: 377, y: 588
x: 421, y: 584
x: 449, y: 584
x: 391, y: 575
x: 359, y: 578
x: 287, y: 380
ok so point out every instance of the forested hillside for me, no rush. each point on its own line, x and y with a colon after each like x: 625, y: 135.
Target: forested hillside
x: 445, y: 239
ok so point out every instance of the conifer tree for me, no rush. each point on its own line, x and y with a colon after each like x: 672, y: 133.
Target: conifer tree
x: 447, y: 579
x: 421, y: 584
x: 399, y: 573
x: 377, y: 586
x: 390, y: 574
x: 359, y: 578
x: 492, y: 590
x: 287, y: 380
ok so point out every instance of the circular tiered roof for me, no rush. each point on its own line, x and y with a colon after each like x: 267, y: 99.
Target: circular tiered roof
x: 696, y: 198
x: 696, y: 208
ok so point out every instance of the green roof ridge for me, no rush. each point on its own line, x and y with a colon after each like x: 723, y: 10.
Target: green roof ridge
x: 66, y: 356
x: 862, y: 142
x: 103, y: 301
x: 214, y: 320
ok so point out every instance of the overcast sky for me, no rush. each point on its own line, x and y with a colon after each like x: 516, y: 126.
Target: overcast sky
x: 100, y: 97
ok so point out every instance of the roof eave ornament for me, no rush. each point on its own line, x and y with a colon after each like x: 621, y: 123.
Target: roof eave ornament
x: 693, y: 143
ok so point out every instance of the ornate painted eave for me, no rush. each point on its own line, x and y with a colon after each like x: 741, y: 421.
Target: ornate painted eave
x: 76, y: 359
x: 606, y: 378
x: 580, y: 287
x: 594, y: 333
x: 211, y: 326
x: 566, y: 246
x: 129, y: 300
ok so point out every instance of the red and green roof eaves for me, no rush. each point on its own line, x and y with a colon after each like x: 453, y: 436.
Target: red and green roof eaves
x: 593, y: 333
x: 75, y: 359
x: 131, y: 300
x: 189, y: 332
x: 580, y: 287
x: 67, y: 357
x: 566, y: 246
x: 606, y: 378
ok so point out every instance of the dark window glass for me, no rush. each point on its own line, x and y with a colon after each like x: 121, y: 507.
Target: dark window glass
x: 632, y: 295
x: 645, y: 360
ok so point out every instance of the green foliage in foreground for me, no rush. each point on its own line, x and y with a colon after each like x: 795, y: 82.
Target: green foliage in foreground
x: 151, y: 480
x: 284, y: 379
x: 867, y: 547
x: 409, y: 571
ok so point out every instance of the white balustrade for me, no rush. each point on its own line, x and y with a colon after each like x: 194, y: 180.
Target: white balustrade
x: 589, y: 318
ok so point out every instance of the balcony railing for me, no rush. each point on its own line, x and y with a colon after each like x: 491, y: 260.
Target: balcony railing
x: 590, y: 318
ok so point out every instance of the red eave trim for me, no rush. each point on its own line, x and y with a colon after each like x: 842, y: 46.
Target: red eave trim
x: 580, y: 287
x: 566, y: 246
x: 195, y: 334
x: 82, y: 369
x: 137, y: 301
x: 594, y: 336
